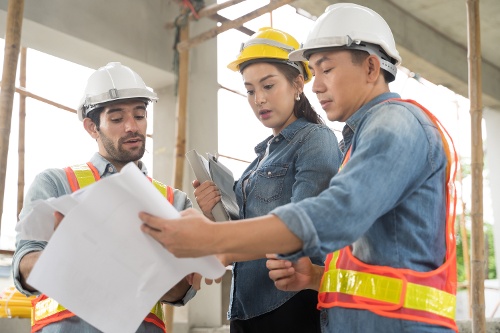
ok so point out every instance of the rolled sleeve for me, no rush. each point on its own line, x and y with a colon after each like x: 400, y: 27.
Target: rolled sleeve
x: 189, y: 295
x: 300, y: 224
x: 23, y: 248
x: 389, y: 158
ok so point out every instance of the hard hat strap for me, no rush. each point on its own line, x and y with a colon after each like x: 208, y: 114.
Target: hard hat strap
x: 374, y: 49
x: 347, y: 43
x: 114, y: 94
x: 265, y: 41
x: 330, y: 41
x: 295, y: 64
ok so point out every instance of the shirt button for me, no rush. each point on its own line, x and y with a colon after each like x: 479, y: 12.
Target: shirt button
x: 269, y: 173
x: 277, y: 139
x: 110, y: 169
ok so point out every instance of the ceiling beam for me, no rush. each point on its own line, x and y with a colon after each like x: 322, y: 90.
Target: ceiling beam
x: 425, y: 50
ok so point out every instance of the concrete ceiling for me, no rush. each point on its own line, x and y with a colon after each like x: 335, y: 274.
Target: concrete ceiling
x: 432, y: 39
x: 431, y: 36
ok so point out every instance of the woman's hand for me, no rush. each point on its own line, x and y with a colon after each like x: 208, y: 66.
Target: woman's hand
x: 207, y: 196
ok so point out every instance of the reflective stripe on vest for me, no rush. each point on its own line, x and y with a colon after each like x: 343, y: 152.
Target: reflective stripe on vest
x: 46, y: 310
x: 428, y: 297
x: 81, y: 175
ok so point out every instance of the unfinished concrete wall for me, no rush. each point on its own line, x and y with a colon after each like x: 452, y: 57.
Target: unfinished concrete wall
x: 93, y: 32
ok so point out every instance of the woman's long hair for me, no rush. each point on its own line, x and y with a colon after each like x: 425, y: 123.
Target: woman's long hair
x: 302, y: 108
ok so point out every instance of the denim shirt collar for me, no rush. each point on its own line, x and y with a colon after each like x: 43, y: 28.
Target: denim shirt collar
x: 105, y: 167
x: 288, y: 133
x: 352, y: 123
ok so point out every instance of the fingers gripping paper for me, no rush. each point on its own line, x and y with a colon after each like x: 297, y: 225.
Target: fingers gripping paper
x: 101, y: 266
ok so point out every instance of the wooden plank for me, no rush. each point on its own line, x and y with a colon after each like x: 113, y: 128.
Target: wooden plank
x: 274, y: 4
x: 206, y: 12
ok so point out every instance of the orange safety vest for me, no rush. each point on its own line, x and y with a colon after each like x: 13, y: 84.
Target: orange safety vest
x: 46, y: 310
x: 428, y: 297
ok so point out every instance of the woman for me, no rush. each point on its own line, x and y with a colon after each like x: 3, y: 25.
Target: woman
x: 297, y: 161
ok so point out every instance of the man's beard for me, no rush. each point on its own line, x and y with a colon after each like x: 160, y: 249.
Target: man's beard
x: 118, y: 154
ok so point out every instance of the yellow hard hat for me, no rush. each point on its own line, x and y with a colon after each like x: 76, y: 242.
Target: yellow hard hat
x: 270, y: 44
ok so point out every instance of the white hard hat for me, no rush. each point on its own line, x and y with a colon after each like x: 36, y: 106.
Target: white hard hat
x: 112, y: 82
x: 351, y: 26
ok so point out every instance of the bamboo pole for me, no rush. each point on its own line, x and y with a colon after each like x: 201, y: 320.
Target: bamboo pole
x: 180, y: 145
x: 22, y: 131
x: 222, y: 19
x: 11, y: 54
x: 476, y: 111
x: 206, y: 12
x: 183, y: 77
x: 23, y: 92
x: 465, y: 240
x: 273, y: 4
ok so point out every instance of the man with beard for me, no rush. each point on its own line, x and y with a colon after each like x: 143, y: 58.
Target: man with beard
x: 113, y: 112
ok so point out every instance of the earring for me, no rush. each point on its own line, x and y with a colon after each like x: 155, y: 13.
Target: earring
x: 298, y: 97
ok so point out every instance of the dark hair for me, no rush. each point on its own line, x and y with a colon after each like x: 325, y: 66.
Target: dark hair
x: 358, y: 56
x: 95, y: 116
x: 302, y: 108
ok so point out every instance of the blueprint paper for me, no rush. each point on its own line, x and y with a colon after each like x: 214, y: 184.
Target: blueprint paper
x: 101, y: 266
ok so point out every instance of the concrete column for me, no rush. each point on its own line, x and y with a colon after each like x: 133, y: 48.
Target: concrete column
x: 164, y: 135
x: 205, y: 310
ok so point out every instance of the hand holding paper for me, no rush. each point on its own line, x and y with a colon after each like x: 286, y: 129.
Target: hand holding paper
x: 191, y: 222
x: 99, y: 264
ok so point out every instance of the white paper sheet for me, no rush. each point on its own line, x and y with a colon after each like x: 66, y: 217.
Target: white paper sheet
x: 101, y: 266
x: 39, y: 224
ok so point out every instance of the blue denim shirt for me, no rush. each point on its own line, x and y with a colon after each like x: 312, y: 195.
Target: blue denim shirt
x: 388, y: 202
x: 302, y: 159
x: 53, y: 183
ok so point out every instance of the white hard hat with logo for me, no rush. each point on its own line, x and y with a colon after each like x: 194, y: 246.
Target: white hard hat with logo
x: 112, y: 82
x: 351, y: 26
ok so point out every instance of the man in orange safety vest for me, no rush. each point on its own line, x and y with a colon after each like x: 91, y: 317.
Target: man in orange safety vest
x: 113, y: 112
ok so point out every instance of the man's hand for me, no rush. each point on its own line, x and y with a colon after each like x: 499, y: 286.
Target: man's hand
x: 288, y: 276
x: 195, y: 280
x: 29, y: 260
x: 25, y: 266
x: 207, y: 196
x: 58, y: 218
x: 177, y: 292
x: 223, y: 260
x: 191, y: 235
